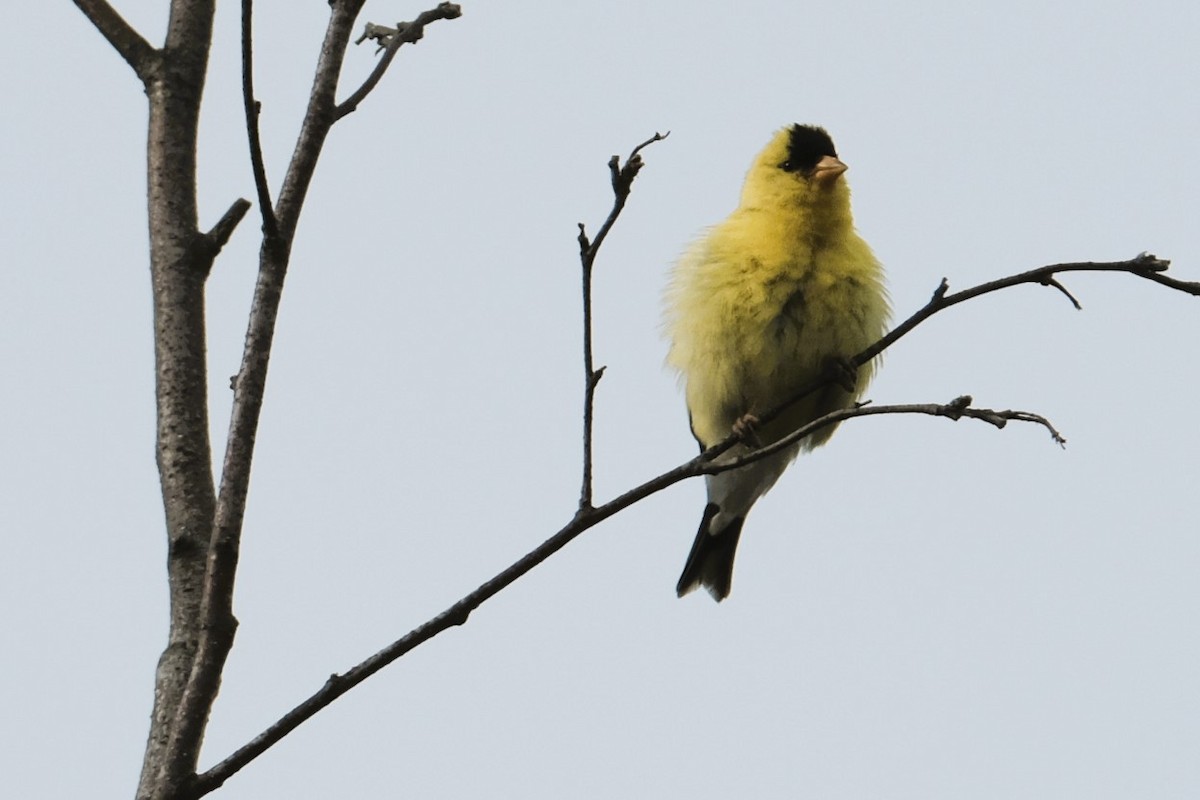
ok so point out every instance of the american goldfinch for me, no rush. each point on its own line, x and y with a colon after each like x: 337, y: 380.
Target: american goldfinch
x: 758, y: 306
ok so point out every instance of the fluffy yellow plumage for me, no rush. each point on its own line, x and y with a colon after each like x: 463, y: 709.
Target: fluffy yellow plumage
x: 760, y: 305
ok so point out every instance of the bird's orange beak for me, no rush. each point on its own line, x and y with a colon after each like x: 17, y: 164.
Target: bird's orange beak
x: 828, y: 169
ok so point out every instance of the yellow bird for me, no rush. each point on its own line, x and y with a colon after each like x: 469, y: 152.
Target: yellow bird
x: 762, y: 303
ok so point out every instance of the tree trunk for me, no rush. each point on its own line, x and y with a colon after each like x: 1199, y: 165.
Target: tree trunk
x: 180, y: 259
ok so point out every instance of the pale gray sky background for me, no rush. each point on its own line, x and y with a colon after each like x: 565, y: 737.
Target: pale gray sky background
x: 921, y: 610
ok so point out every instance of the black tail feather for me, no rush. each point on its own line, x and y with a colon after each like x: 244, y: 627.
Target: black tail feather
x: 710, y: 563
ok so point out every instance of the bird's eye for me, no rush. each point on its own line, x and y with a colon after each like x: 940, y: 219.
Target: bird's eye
x: 796, y: 167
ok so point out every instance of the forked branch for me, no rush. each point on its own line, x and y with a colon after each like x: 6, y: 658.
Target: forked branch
x: 622, y: 184
x: 390, y: 41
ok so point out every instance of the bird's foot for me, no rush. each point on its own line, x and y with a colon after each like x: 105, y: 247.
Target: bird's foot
x: 744, y: 429
x: 843, y: 372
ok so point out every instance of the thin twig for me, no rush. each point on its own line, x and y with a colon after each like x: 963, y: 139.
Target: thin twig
x: 392, y: 39
x: 270, y: 224
x: 956, y: 409
x: 622, y: 184
x: 1144, y: 265
x: 220, y: 233
x: 136, y: 51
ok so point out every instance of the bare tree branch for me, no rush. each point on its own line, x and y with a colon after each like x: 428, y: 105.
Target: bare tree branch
x: 956, y: 409
x: 273, y: 262
x: 1144, y: 265
x: 622, y: 184
x: 218, y: 237
x: 136, y: 51
x: 216, y: 623
x: 318, y: 117
x: 390, y: 40
x: 270, y: 225
x: 458, y: 614
x: 181, y: 258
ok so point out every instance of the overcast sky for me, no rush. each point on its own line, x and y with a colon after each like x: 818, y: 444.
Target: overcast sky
x: 923, y: 609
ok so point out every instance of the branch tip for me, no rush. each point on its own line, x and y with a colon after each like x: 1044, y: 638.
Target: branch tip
x: 622, y: 177
x: 220, y: 233
x: 1052, y: 281
x: 1152, y: 262
x: 960, y: 407
x: 657, y: 137
x: 390, y: 41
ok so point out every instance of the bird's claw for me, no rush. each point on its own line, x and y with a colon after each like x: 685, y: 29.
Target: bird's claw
x: 843, y: 372
x: 744, y: 429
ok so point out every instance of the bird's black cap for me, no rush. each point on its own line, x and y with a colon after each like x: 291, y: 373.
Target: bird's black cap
x: 807, y: 144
